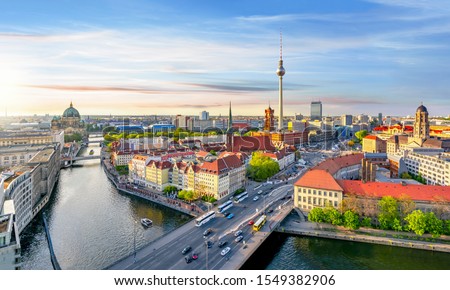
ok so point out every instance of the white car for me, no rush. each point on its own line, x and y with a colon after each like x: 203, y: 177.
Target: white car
x: 225, y: 251
x: 238, y: 233
x: 255, y: 198
x: 238, y: 239
x: 259, y: 192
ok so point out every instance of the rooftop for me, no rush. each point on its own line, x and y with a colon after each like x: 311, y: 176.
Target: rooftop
x: 42, y: 156
x: 333, y: 165
x: 379, y: 189
x: 320, y: 179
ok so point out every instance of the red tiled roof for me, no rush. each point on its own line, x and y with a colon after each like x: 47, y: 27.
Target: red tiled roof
x: 160, y: 164
x: 252, y: 143
x: 320, y: 179
x: 380, y: 189
x: 201, y: 153
x: 220, y: 165
x: 334, y: 164
x: 371, y: 137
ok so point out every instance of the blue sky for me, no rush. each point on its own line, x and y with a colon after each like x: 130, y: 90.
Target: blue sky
x: 182, y: 57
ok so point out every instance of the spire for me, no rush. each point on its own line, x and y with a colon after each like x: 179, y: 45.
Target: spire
x: 230, y: 119
x: 71, y: 105
x: 281, y: 45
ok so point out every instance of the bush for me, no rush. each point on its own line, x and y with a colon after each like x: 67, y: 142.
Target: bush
x: 366, y: 222
x: 351, y: 220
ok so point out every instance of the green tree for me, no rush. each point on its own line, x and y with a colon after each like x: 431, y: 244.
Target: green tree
x: 316, y: 215
x: 434, y: 225
x: 417, y: 222
x: 182, y: 194
x: 405, y: 175
x: 388, y: 212
x: 333, y: 216
x: 213, y: 152
x: 406, y: 205
x: 170, y: 189
x: 361, y: 134
x: 366, y: 222
x: 351, y: 220
x: 262, y: 167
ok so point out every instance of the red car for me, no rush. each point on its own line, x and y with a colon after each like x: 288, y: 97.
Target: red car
x: 251, y: 222
x: 194, y: 256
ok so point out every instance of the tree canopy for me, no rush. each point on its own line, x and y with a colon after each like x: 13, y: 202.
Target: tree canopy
x: 262, y: 167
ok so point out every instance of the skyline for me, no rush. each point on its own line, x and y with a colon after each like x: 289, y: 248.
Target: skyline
x: 145, y: 58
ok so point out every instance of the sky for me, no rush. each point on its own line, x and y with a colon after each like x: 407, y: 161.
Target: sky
x: 182, y: 57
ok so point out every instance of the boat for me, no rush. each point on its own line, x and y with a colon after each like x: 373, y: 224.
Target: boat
x: 91, y: 152
x: 146, y: 222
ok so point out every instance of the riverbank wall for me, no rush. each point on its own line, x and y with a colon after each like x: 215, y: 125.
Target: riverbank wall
x: 295, y: 226
x: 190, y: 209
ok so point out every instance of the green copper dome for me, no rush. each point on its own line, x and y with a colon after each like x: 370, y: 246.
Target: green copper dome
x: 71, y: 112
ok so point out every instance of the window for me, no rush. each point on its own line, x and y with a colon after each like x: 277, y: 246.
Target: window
x: 335, y: 194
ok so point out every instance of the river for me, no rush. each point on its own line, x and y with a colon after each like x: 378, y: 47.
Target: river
x: 92, y: 225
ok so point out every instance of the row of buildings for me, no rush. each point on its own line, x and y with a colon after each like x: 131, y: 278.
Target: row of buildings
x: 337, y: 179
x: 24, y: 190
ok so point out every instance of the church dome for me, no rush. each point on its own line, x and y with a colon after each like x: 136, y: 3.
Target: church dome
x: 422, y: 108
x: 71, y: 112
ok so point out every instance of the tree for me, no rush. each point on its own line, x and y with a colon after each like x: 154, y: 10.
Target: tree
x: 406, y: 205
x: 351, y: 203
x: 262, y: 167
x: 417, y: 222
x: 361, y: 134
x: 316, y: 215
x: 351, y: 220
x: 351, y: 143
x: 170, y: 189
x: 388, y: 212
x: 434, y: 226
x: 213, y: 152
x: 366, y: 222
x: 405, y: 175
x: 333, y: 216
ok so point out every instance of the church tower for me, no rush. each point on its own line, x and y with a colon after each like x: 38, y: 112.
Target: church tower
x: 421, y: 124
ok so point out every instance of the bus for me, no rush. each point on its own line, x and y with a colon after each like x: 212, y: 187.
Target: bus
x: 259, y: 223
x: 241, y: 197
x: 205, y: 218
x: 223, y: 207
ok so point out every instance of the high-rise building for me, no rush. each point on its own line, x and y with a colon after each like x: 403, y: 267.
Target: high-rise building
x: 280, y: 74
x: 346, y: 120
x: 316, y: 111
x: 268, y: 119
x: 380, y: 119
x: 204, y: 115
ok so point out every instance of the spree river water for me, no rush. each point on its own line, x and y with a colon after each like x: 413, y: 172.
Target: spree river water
x: 93, y: 225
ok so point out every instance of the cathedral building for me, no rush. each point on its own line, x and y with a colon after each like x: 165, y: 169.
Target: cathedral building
x: 70, y: 121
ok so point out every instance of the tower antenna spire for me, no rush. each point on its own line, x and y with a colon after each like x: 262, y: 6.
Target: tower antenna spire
x: 281, y: 44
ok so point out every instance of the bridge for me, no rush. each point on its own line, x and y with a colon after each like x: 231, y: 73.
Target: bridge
x: 165, y: 252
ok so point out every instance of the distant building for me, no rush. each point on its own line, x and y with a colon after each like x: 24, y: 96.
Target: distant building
x: 269, y: 119
x: 298, y: 117
x: 373, y: 144
x: 346, y: 120
x: 380, y: 119
x: 70, y: 121
x: 204, y: 116
x: 316, y: 111
x: 31, y: 137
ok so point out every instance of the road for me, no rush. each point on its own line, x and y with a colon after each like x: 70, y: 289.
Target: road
x: 169, y: 256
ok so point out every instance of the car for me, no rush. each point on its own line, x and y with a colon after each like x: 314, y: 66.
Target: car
x: 259, y: 192
x: 222, y: 244
x: 194, y: 256
x: 251, y: 222
x: 207, y: 232
x: 186, y: 250
x: 270, y: 211
x: 209, y: 244
x: 238, y: 239
x: 238, y: 233
x: 226, y: 214
x: 225, y: 251
x: 230, y: 216
x: 255, y: 198
x: 188, y: 259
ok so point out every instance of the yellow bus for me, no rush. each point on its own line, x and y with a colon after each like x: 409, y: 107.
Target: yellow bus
x: 259, y: 223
